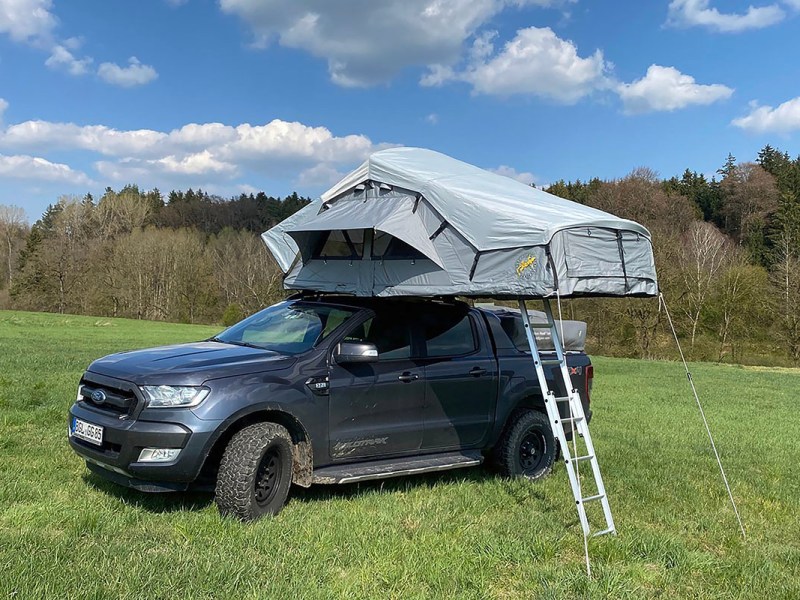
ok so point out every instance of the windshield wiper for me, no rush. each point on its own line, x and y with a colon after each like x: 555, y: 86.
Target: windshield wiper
x: 236, y: 343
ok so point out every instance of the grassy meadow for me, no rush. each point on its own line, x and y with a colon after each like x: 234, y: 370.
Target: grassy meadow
x: 462, y: 534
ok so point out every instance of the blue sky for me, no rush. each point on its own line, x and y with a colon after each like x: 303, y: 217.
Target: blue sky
x: 283, y: 95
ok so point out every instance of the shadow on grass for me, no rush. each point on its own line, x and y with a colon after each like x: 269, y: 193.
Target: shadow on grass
x: 157, y: 502
x: 167, y: 502
x: 520, y: 495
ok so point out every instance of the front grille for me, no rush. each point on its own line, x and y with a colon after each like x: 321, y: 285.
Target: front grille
x: 108, y: 399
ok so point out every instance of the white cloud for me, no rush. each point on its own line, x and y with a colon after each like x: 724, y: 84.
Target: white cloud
x: 38, y: 169
x: 667, y: 89
x: 690, y: 13
x: 44, y: 135
x: 61, y: 58
x: 368, y: 42
x: 134, y: 74
x: 432, y: 119
x: 536, y: 62
x: 766, y: 119
x: 523, y: 177
x: 321, y: 175
x: 198, y: 153
x: 182, y: 167
x: 287, y: 141
x: 3, y: 107
x: 27, y: 20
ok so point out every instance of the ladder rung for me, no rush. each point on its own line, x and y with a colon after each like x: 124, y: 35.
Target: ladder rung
x: 582, y: 458
x: 591, y: 498
x: 561, y: 398
x: 552, y: 361
x: 540, y: 326
x: 571, y: 419
x: 604, y: 532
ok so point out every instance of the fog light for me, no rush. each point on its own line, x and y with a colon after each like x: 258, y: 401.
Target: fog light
x: 159, y: 454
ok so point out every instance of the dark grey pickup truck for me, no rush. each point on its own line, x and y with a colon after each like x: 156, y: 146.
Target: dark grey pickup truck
x: 320, y: 389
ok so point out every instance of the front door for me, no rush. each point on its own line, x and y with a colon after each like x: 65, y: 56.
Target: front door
x: 376, y: 409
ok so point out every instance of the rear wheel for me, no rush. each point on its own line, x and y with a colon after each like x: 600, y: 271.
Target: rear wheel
x: 527, y: 448
x: 255, y: 472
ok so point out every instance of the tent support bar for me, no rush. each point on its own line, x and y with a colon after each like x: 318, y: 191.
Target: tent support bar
x: 552, y: 264
x: 622, y: 258
x: 439, y: 230
x: 474, y: 265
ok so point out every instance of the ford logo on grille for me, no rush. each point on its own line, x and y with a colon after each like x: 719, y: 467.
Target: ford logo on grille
x: 98, y: 396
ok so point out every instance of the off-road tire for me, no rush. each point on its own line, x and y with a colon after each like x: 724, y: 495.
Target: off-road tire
x: 255, y: 472
x: 527, y: 447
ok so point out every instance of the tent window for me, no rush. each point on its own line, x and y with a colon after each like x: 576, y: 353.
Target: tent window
x: 341, y: 244
x: 388, y: 247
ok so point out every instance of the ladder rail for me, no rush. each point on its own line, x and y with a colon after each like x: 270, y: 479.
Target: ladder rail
x: 576, y: 420
x: 576, y: 409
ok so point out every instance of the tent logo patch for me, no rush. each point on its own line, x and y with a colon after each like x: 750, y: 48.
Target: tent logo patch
x: 524, y: 266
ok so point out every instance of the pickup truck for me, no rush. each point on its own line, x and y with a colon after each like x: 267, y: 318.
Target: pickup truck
x: 321, y: 390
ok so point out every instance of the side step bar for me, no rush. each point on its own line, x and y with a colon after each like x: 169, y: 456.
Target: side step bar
x: 396, y: 467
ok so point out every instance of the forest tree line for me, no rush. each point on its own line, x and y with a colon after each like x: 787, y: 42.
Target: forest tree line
x: 727, y: 251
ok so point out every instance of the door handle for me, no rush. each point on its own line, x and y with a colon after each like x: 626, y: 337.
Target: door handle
x: 408, y: 377
x: 477, y: 371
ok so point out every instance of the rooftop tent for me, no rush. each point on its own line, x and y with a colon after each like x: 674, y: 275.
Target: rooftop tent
x: 414, y: 222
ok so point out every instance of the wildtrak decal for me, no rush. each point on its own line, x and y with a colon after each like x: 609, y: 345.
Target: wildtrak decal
x: 348, y: 447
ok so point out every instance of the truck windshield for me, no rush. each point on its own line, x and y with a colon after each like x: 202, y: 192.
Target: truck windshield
x: 287, y: 327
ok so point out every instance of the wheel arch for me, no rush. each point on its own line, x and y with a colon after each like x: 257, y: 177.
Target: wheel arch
x: 302, y: 454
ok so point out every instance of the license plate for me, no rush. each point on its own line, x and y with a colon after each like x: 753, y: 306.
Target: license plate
x: 87, y: 431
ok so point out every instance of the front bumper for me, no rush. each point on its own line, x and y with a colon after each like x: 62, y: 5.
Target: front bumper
x: 124, y: 439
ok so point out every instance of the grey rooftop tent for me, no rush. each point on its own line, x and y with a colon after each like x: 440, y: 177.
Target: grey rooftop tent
x: 413, y: 222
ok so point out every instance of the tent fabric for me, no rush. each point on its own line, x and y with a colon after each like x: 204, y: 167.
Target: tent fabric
x: 491, y: 211
x: 459, y: 230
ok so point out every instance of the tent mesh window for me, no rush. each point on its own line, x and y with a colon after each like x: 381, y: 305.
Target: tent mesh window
x: 388, y: 247
x: 347, y: 244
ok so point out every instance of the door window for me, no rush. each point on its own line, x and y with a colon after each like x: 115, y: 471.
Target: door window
x: 449, y: 334
x: 390, y: 334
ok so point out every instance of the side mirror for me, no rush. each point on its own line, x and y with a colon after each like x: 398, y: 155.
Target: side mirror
x: 355, y: 352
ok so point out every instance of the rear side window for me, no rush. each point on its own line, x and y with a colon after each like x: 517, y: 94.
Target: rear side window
x: 515, y: 331
x: 448, y: 334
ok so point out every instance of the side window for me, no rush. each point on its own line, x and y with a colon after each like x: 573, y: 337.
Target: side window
x: 342, y: 244
x: 388, y: 247
x: 335, y: 318
x: 391, y: 335
x: 514, y: 329
x: 449, y: 334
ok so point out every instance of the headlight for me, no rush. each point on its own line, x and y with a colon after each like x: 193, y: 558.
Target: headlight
x: 169, y: 396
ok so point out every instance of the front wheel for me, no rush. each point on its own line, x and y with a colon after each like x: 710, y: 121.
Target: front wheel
x: 527, y: 448
x: 255, y: 472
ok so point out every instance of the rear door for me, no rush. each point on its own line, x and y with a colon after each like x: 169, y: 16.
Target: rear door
x: 460, y: 379
x: 376, y: 409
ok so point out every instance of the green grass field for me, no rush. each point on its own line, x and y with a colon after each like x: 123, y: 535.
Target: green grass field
x: 463, y: 534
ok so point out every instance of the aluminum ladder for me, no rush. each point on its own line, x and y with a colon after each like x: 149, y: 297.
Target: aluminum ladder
x: 576, y: 421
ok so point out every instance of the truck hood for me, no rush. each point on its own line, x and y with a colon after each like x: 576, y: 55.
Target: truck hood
x: 188, y: 364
